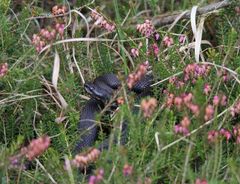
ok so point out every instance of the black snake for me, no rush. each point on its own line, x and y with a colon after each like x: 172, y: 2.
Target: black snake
x: 101, y: 90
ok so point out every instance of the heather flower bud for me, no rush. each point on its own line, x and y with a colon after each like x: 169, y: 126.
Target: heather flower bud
x: 127, y: 170
x: 213, y: 136
x: 201, y: 181
x: 3, y: 69
x: 182, y: 39
x: 209, y: 112
x: 168, y: 41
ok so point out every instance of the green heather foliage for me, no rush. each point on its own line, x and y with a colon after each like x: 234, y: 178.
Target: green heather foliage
x: 29, y: 107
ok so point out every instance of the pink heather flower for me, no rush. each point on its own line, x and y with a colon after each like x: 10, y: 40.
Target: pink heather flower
x: 223, y: 101
x: 216, y: 100
x: 168, y: 41
x: 135, y: 52
x: 146, y: 28
x: 235, y: 110
x: 236, y: 133
x: 178, y: 102
x: 172, y: 80
x: 201, y: 181
x: 182, y: 39
x: 36, y: 147
x: 213, y: 136
x: 170, y: 100
x: 99, y: 174
x: 156, y: 36
x: 185, y: 122
x: 194, y: 71
x: 92, y: 180
x: 207, y: 89
x: 127, y: 170
x: 95, y: 179
x: 225, y: 78
x: 179, y: 129
x: 187, y: 98
x: 100, y: 20
x: 225, y: 133
x: 155, y: 49
x: 224, y: 75
x: 175, y: 81
x: 48, y: 35
x: 194, y: 109
x: 60, y: 28
x: 209, y: 112
x: 3, y: 69
x: 238, y: 140
x: 236, y: 130
x: 180, y: 84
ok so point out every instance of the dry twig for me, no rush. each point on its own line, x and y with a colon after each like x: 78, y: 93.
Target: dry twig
x: 165, y: 20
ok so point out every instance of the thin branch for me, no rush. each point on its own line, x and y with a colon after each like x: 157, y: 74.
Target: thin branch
x: 165, y: 20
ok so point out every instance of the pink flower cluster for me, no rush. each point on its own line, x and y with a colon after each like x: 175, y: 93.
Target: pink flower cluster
x: 209, y: 112
x: 59, y: 9
x: 155, y: 49
x: 47, y: 35
x: 148, y: 106
x: 134, y: 77
x: 235, y: 110
x: 97, y: 178
x: 36, y: 147
x: 175, y: 81
x: 184, y: 100
x: 207, y: 89
x: 182, y: 128
x: 135, y: 51
x: 182, y: 39
x: 127, y: 170
x: 100, y: 20
x: 84, y: 159
x: 201, y: 181
x: 194, y: 71
x: 220, y: 100
x: 167, y: 41
x: 214, y: 135
x: 147, y: 28
x: 224, y: 75
x: 236, y: 133
x: 3, y: 69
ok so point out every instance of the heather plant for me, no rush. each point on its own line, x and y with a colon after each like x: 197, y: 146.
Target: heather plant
x: 186, y: 131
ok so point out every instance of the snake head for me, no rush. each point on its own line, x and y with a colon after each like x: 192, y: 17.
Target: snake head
x: 95, y: 91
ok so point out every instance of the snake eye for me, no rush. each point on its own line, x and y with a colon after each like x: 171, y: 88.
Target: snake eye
x: 89, y: 88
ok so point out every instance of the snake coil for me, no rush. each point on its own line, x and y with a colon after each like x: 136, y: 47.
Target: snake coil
x: 101, y: 91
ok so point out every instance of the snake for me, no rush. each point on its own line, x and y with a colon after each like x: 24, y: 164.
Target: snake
x: 101, y: 90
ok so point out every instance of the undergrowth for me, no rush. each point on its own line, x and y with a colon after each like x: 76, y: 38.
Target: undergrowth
x: 156, y: 151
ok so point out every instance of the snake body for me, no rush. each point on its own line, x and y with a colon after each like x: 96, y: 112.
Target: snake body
x: 101, y: 90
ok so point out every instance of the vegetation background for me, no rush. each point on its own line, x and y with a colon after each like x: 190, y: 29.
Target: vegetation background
x: 154, y: 153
